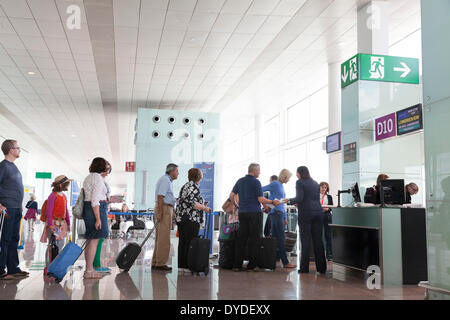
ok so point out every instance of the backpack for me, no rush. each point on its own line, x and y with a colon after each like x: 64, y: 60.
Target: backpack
x: 43, y: 213
x: 77, y: 209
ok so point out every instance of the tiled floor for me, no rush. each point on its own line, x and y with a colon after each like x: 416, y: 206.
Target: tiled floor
x: 143, y: 283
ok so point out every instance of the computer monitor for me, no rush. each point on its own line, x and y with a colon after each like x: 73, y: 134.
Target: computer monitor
x: 334, y: 142
x: 355, y: 192
x: 392, y: 191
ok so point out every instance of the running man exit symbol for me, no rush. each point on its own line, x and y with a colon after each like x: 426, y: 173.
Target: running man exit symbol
x: 377, y: 67
x: 353, y: 69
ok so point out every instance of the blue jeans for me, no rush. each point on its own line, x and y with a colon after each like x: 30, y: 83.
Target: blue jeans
x: 277, y: 231
x: 9, y: 258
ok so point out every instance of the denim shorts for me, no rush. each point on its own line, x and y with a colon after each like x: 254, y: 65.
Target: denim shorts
x: 89, y: 221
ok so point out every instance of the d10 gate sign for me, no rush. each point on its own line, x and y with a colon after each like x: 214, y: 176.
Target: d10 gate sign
x: 385, y: 127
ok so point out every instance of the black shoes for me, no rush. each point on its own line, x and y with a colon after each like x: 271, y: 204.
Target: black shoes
x: 163, y: 268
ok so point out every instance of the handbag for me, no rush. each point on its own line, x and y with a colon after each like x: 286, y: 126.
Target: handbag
x: 77, y: 209
x: 228, y: 231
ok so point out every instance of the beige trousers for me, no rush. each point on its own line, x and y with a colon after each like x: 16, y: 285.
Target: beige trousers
x: 162, y: 241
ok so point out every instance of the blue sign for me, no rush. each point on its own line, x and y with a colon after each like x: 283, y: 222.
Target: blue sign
x: 207, y: 183
x: 207, y: 191
x: 75, y: 193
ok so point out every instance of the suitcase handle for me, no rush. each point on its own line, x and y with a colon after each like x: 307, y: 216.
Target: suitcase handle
x: 150, y: 233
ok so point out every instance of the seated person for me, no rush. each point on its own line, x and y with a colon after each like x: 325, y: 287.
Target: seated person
x: 126, y: 221
x: 373, y: 193
x: 410, y: 189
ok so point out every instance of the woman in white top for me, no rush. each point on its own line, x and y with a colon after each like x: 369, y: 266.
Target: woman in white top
x: 95, y: 213
x: 326, y: 199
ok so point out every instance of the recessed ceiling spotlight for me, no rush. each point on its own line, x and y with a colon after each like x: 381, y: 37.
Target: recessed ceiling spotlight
x: 31, y: 73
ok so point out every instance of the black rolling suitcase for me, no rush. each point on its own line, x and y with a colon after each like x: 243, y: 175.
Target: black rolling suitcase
x: 226, y: 254
x: 127, y: 256
x: 267, y: 253
x: 198, y: 254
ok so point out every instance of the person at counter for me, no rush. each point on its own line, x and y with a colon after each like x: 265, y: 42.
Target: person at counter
x: 310, y: 220
x: 326, y: 199
x: 373, y: 193
x: 410, y: 189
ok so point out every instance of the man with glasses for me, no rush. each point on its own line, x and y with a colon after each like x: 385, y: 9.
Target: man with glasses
x: 11, y: 197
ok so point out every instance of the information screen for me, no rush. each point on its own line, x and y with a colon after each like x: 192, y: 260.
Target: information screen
x: 334, y: 142
x: 409, y: 119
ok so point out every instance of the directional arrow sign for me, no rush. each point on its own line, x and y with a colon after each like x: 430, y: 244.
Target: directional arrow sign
x: 389, y: 69
x: 405, y: 69
x: 379, y: 68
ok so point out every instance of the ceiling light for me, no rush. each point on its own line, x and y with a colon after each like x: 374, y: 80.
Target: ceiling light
x: 31, y: 73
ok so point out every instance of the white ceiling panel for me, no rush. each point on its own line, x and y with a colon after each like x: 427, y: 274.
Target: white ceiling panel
x: 250, y: 23
x: 236, y: 6
x: 288, y: 7
x: 177, y: 20
x: 273, y: 25
x: 263, y: 7
x: 44, y: 10
x: 226, y: 22
x: 126, y: 13
x: 25, y: 27
x: 52, y: 29
x: 152, y: 19
x: 182, y: 5
x: 16, y: 8
x: 202, y: 21
x: 209, y: 5
x: 239, y: 40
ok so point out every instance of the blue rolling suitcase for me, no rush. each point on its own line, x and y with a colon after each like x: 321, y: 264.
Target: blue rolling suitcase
x: 66, y: 258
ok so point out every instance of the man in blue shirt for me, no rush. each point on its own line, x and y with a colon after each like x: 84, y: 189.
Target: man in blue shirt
x: 11, y: 197
x: 278, y: 216
x: 165, y: 201
x: 251, y: 197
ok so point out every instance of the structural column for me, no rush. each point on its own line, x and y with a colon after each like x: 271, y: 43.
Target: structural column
x: 334, y: 125
x: 373, y: 28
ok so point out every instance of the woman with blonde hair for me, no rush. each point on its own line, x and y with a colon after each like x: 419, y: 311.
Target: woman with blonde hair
x: 278, y: 216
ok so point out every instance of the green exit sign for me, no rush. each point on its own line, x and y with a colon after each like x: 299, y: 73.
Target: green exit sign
x: 375, y: 67
x: 43, y: 175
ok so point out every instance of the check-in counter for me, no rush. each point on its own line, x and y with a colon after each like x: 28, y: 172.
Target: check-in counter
x: 392, y: 238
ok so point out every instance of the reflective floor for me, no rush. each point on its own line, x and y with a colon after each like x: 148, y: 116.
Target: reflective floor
x: 143, y: 283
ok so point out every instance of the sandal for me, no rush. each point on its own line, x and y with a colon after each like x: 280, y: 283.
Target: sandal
x: 92, y: 275
x: 290, y: 265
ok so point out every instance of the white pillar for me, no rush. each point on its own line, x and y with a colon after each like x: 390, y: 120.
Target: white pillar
x: 334, y: 125
x: 373, y: 28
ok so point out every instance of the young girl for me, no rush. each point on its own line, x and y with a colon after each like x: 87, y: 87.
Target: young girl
x: 30, y: 216
x: 57, y: 213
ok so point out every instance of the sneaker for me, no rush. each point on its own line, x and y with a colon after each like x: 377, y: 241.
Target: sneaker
x: 103, y: 270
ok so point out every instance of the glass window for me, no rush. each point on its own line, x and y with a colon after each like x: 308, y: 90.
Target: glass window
x: 319, y: 110
x: 298, y: 120
x: 317, y: 160
x: 271, y: 135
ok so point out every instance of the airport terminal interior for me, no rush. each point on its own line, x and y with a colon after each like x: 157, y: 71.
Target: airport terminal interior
x: 356, y: 91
